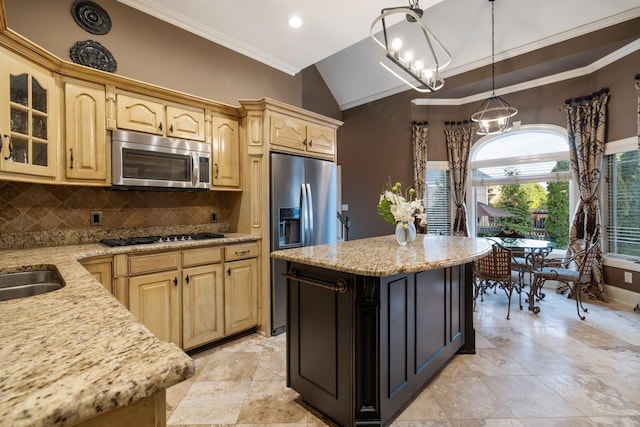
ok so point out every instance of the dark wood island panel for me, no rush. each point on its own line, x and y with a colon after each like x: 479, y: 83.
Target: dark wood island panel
x: 359, y: 346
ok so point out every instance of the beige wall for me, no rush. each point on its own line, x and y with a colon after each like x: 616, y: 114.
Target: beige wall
x: 152, y: 51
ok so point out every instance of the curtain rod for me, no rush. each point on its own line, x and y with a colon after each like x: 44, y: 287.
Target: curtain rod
x: 587, y: 97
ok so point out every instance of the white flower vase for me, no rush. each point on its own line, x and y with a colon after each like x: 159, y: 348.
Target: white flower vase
x: 405, y: 233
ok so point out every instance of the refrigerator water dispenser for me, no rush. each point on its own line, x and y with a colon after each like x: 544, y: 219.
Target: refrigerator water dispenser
x: 289, y: 227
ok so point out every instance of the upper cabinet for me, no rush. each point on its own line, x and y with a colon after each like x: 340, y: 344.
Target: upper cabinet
x: 225, y: 149
x: 86, y: 150
x: 301, y: 136
x: 155, y: 116
x: 28, y: 120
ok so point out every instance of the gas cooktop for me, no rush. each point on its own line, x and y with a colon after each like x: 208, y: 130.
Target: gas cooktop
x: 146, y: 240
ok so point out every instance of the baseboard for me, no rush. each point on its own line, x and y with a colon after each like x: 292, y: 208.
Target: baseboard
x: 622, y: 296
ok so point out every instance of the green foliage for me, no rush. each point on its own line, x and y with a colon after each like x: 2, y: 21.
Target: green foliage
x: 536, y: 195
x: 384, y: 210
x: 514, y: 199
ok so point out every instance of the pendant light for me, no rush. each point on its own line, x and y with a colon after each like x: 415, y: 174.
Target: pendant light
x: 494, y: 114
x: 411, y: 52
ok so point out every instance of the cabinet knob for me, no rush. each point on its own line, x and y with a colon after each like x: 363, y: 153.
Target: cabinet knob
x: 187, y: 279
x: 175, y: 281
x: 304, y: 142
x: 160, y: 127
x: 1, y: 142
x: 216, y: 167
x: 171, y: 129
x: 71, y: 158
x: 228, y: 272
x: 310, y: 142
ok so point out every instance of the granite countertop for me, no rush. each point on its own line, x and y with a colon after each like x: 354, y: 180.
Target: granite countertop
x: 70, y: 354
x: 382, y: 256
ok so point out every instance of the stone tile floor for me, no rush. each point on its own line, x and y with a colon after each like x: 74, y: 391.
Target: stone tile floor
x: 544, y: 370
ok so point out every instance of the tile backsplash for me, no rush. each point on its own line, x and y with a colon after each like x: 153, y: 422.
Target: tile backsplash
x: 27, y: 210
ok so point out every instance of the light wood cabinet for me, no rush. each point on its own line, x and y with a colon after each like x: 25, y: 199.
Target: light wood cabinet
x: 154, y: 299
x: 302, y: 136
x: 28, y: 118
x: 102, y: 269
x: 240, y: 295
x: 225, y: 148
x: 185, y: 297
x: 202, y: 305
x: 86, y: 151
x: 143, y: 114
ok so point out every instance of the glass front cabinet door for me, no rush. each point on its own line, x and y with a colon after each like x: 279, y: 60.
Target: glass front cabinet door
x: 27, y: 118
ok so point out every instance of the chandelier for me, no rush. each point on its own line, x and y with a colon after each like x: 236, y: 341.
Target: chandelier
x: 411, y: 52
x: 494, y: 113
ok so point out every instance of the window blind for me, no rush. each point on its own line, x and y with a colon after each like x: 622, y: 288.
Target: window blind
x: 622, y: 213
x: 437, y: 199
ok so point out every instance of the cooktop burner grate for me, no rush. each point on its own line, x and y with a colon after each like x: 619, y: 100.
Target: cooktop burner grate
x: 146, y: 240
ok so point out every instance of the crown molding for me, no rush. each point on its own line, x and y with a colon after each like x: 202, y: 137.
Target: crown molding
x: 542, y: 81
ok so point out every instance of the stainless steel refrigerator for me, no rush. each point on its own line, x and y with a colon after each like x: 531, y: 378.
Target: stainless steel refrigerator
x: 303, y: 213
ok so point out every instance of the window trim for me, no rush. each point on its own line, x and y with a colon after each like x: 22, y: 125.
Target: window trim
x: 517, y: 128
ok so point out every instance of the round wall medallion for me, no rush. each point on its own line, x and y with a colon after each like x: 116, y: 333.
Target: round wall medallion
x: 94, y: 55
x: 91, y: 17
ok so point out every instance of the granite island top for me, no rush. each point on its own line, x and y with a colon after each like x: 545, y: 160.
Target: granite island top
x: 382, y: 256
x: 76, y: 352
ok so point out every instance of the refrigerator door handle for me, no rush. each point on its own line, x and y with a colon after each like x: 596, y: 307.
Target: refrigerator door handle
x: 309, y: 213
x: 304, y: 215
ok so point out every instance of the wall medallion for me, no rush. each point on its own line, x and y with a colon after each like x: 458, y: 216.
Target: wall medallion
x: 93, y: 54
x: 91, y: 17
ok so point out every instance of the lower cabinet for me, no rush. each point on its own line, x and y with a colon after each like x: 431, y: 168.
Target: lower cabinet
x: 102, y: 269
x: 240, y: 291
x: 202, y: 305
x: 155, y: 301
x: 203, y: 295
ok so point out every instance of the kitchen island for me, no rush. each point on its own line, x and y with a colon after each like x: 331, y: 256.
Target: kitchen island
x: 370, y: 322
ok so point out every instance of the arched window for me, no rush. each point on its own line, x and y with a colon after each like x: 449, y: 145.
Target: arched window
x: 512, y: 172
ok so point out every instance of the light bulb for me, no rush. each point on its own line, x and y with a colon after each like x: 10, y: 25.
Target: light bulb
x: 295, y: 22
x: 408, y: 56
x: 418, y: 65
x: 396, y: 44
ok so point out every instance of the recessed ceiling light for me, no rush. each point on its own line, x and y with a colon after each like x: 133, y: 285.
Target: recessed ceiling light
x: 295, y: 22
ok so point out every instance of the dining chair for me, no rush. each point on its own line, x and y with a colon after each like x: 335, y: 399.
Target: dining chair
x: 494, y: 271
x: 573, y: 272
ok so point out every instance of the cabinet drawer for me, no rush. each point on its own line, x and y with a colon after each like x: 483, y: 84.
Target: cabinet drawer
x: 245, y: 250
x: 140, y: 264
x: 201, y: 256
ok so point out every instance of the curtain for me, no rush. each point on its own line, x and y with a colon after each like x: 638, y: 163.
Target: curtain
x: 459, y: 136
x: 419, y: 132
x: 586, y: 126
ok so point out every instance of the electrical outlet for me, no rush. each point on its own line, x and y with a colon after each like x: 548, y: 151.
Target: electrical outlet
x: 214, y: 217
x: 628, y: 278
x: 95, y: 218
x: 344, y: 208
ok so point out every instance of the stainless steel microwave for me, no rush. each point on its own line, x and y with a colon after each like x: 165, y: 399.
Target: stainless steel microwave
x: 147, y: 161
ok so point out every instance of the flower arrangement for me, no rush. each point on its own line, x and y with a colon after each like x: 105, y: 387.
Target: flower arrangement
x: 394, y: 207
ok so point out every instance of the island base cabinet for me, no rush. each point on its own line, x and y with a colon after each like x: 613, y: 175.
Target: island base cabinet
x: 361, y: 356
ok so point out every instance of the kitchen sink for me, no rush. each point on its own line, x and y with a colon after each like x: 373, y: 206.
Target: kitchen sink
x: 28, y: 283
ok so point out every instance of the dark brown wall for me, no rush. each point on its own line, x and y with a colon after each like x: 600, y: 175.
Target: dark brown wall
x: 375, y: 141
x: 152, y: 51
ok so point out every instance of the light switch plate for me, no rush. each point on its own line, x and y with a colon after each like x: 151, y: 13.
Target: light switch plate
x: 95, y: 218
x: 628, y: 278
